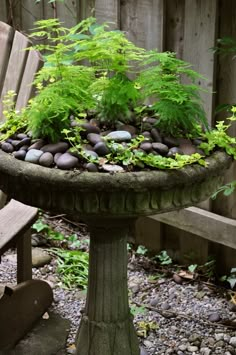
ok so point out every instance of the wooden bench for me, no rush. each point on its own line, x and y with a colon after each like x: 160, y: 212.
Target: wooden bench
x: 15, y: 222
x: 23, y: 304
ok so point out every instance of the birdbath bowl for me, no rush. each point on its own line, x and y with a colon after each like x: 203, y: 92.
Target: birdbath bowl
x: 109, y: 203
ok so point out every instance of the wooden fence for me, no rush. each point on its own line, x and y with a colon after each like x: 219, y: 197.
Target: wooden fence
x: 190, y: 28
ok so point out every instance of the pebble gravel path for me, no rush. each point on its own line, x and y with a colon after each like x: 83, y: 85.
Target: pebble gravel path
x: 171, y: 317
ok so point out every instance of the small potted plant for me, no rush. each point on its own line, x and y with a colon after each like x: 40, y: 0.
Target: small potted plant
x: 118, y: 107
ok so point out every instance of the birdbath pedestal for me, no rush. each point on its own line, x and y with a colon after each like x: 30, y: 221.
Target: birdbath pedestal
x: 109, y: 204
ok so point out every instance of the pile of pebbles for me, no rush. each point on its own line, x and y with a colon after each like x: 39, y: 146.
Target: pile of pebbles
x: 188, y: 315
x: 61, y: 156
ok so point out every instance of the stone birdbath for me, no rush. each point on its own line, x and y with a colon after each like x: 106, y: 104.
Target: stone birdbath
x: 109, y: 203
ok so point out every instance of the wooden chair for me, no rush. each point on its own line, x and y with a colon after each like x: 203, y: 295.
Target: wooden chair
x: 23, y: 304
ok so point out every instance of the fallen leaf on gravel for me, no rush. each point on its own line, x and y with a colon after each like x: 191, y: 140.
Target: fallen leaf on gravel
x: 186, y: 274
x: 45, y: 315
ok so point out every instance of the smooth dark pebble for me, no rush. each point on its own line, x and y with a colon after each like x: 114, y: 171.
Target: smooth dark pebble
x: 37, y: 145
x: 91, y: 167
x: 46, y: 159
x: 173, y: 151
x: 20, y: 154
x: 146, y: 146
x: 156, y: 135
x: 94, y: 138
x: 21, y: 136
x: 56, y: 157
x: 170, y: 141
x: 101, y: 149
x: 160, y: 148
x: 7, y: 147
x: 214, y: 317
x: 89, y: 128
x: 67, y: 161
x: 60, y: 147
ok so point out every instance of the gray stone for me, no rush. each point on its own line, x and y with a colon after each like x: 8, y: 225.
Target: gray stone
x: 90, y: 153
x: 219, y: 336
x: 21, y: 136
x: 40, y: 257
x: 48, y: 337
x: 101, y: 149
x: 143, y: 351
x: 94, y: 138
x: 146, y: 146
x: 88, y: 128
x: 20, y: 154
x: 188, y: 148
x: 60, y: 147
x: 160, y: 148
x: 112, y: 168
x: 37, y: 145
x: 165, y: 306
x: 24, y: 147
x: 171, y: 141
x: 192, y: 348
x: 7, y: 147
x: 33, y: 155
x: 129, y: 128
x: 56, y: 157
x: 214, y: 317
x: 233, y: 342
x: 173, y: 151
x: 119, y: 136
x: 156, y: 135
x: 205, y: 351
x: 91, y: 167
x: 46, y: 159
x: 147, y: 135
x: 67, y: 161
x: 19, y: 143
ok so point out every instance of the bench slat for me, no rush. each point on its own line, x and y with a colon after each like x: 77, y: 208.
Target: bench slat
x: 16, y: 66
x: 15, y: 219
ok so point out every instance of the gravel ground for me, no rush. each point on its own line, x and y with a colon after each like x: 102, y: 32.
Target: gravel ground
x: 172, y: 315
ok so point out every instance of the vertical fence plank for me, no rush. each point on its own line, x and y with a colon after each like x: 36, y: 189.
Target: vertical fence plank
x: 108, y: 11
x: 3, y: 12
x: 199, y: 36
x: 174, y: 34
x: 67, y: 12
x: 143, y: 20
x: 85, y: 8
x: 226, y: 94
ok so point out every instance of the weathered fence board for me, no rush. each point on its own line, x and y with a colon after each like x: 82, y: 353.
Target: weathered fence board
x: 143, y: 21
x: 108, y: 11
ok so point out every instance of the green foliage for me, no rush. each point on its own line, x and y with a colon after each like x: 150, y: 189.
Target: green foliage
x: 14, y: 122
x: 218, y: 137
x: 136, y: 310
x: 129, y: 155
x: 72, y: 267
x: 141, y: 250
x: 177, y: 105
x: 144, y: 328
x: 164, y: 258
x: 88, y: 67
x: 231, y: 278
x: 192, y: 268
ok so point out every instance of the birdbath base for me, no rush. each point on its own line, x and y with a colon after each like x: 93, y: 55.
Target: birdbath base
x: 106, y: 326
